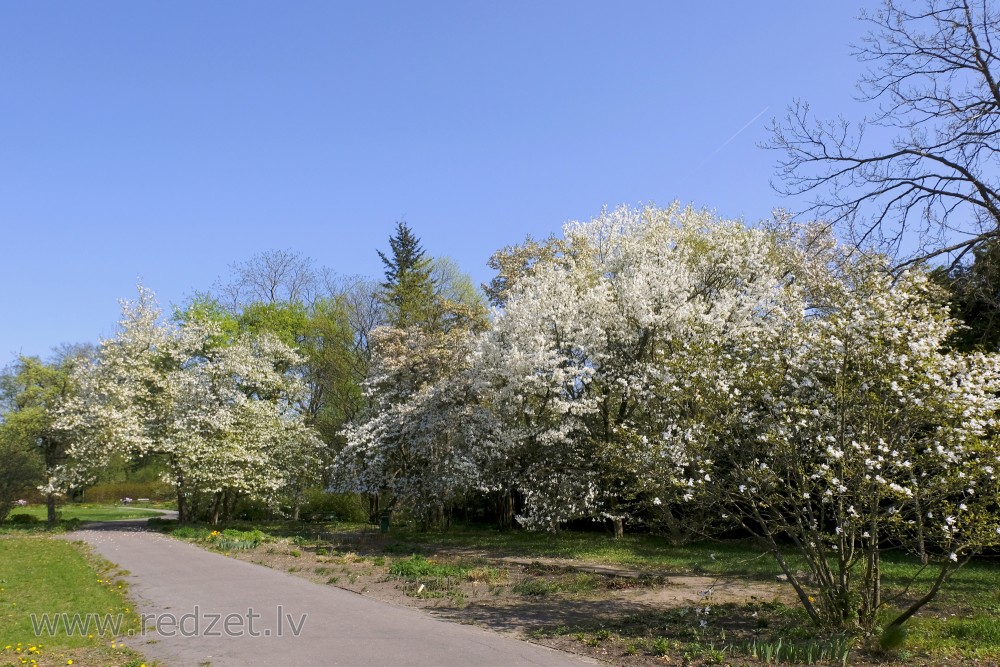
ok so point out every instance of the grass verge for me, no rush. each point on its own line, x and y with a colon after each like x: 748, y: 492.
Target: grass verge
x: 47, y: 583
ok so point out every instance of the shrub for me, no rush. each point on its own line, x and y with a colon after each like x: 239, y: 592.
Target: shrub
x: 344, y: 506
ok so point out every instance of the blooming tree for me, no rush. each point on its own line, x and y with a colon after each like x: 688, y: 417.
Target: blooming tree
x: 220, y: 416
x: 414, y: 446
x: 604, y: 361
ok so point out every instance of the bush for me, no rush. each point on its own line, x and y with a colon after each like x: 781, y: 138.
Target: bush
x: 254, y: 536
x: 188, y: 532
x: 345, y: 506
x: 23, y: 519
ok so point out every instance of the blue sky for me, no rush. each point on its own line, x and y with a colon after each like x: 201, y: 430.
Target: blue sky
x: 169, y: 140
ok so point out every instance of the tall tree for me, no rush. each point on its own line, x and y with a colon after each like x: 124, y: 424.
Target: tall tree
x: 934, y: 89
x: 408, y: 290
x: 272, y: 276
x: 31, y: 392
x: 453, y: 284
x: 21, y: 471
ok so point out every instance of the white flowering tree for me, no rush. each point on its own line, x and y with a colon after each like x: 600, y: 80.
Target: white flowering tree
x: 221, y: 416
x: 604, y: 364
x: 414, y: 446
x: 861, y: 435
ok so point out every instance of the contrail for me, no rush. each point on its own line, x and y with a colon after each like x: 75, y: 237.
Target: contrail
x: 730, y: 139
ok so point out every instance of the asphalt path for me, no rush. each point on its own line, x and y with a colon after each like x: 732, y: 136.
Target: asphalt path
x: 202, y: 608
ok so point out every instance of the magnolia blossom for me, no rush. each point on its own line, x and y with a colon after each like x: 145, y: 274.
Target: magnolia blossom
x: 610, y: 358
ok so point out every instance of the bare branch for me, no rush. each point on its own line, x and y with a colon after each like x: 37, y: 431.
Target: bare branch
x: 933, y: 83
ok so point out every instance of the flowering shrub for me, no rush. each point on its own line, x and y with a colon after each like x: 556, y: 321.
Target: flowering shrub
x: 859, y: 433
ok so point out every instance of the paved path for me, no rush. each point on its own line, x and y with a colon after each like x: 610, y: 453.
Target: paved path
x: 279, y: 619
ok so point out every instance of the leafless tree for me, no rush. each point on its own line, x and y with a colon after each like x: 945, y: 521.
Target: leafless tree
x: 924, y: 166
x: 362, y: 298
x: 273, y: 276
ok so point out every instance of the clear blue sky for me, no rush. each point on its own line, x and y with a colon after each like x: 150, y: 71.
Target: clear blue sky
x: 167, y: 140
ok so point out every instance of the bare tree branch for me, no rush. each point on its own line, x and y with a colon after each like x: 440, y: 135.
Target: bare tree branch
x: 933, y: 187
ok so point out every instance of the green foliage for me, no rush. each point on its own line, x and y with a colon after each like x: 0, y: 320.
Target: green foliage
x: 981, y: 630
x: 320, y: 505
x: 336, y: 364
x: 245, y: 537
x: 893, y: 637
x: 20, y: 471
x: 288, y: 321
x: 185, y: 532
x: 408, y: 290
x: 974, y: 293
x: 31, y: 391
x: 811, y: 652
x: 454, y: 285
x: 204, y: 309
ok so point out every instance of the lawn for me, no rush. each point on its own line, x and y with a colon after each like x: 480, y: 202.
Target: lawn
x: 45, y: 580
x: 87, y: 512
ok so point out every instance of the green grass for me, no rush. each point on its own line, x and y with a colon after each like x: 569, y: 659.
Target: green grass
x: 643, y: 552
x: 86, y: 512
x: 417, y: 567
x: 39, y: 576
x: 572, y: 584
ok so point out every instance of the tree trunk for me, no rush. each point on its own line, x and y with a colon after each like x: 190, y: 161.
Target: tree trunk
x: 182, y: 514
x: 619, y: 524
x: 216, y: 508
x: 374, y: 515
x: 229, y: 499
x: 921, y: 549
x: 503, y: 503
x: 50, y: 504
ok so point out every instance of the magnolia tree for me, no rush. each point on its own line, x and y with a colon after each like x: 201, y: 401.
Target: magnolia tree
x: 667, y: 361
x: 416, y: 445
x: 220, y: 416
x: 861, y: 435
x: 603, y: 366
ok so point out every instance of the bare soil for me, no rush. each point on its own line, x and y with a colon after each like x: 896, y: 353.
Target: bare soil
x: 619, y: 615
x: 545, y: 600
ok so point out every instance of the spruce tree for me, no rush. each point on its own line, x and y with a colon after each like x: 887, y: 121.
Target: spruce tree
x: 408, y: 290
